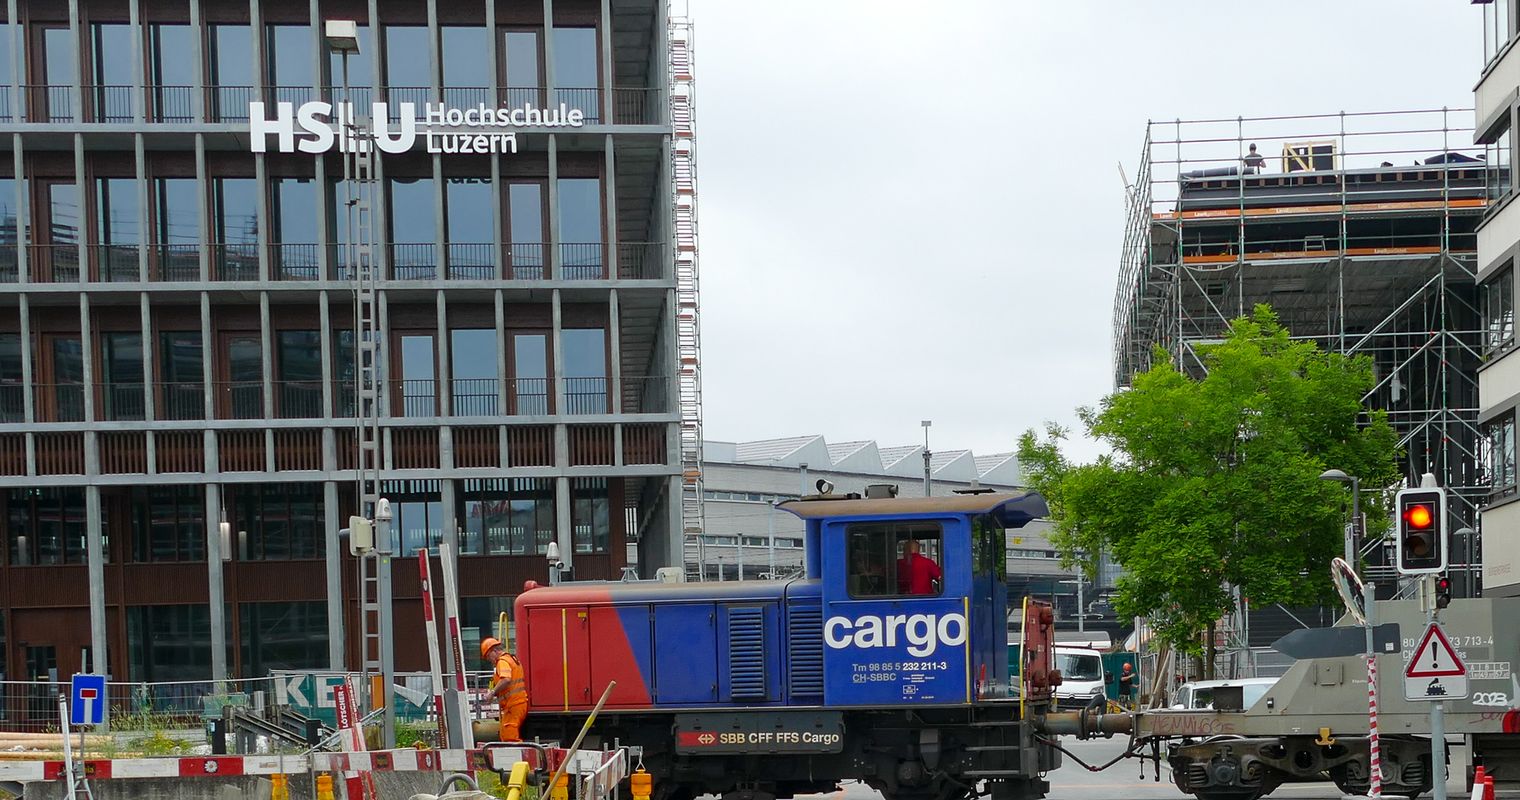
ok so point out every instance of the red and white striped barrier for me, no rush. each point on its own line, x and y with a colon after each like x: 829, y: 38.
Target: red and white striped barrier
x: 1374, y: 755
x: 600, y: 770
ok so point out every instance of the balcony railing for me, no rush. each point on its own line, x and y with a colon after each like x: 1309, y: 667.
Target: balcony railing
x: 5, y: 103
x: 239, y: 399
x: 360, y: 96
x: 529, y: 395
x: 417, y: 398
x: 294, y: 95
x: 123, y: 401
x: 111, y: 103
x: 646, y: 394
x: 464, y: 97
x: 298, y: 399
x: 520, y: 96
x: 60, y: 402
x: 475, y: 397
x: 589, y: 101
x: 637, y: 106
x: 418, y: 96
x: 526, y: 262
x: 9, y: 263
x: 641, y: 260
x: 230, y: 103
x: 238, y: 261
x: 174, y: 262
x: 472, y: 262
x: 55, y: 263
x: 582, y: 261
x: 414, y: 261
x: 50, y: 103
x: 586, y: 396
x: 12, y: 402
x: 115, y: 263
x: 295, y: 262
x: 171, y: 103
x: 181, y: 400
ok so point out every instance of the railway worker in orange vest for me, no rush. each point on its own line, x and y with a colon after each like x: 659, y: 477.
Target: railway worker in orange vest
x: 508, y: 687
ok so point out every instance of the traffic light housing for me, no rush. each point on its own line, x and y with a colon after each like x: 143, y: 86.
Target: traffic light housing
x: 1421, y: 531
x: 1443, y: 591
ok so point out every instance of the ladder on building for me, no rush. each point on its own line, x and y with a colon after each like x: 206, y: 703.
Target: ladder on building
x: 360, y: 186
x: 683, y: 154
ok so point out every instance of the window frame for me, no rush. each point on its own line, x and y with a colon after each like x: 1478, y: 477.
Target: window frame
x: 891, y: 529
x: 1499, y: 287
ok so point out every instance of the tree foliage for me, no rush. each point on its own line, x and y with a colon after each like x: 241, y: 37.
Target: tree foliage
x: 1214, y: 483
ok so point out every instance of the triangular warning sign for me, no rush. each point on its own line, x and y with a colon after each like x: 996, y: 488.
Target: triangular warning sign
x: 1435, y: 657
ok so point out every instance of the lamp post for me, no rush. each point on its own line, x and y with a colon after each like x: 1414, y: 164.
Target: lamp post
x: 927, y: 455
x: 1356, y: 510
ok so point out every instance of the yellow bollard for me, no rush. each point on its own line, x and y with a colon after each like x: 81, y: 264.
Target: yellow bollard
x: 561, y: 788
x: 281, y: 790
x: 324, y: 787
x: 641, y: 784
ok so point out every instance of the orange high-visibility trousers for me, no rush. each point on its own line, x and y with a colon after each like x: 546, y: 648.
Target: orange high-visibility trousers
x: 512, y: 716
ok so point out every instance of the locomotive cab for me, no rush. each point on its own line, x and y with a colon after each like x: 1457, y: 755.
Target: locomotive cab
x: 913, y: 595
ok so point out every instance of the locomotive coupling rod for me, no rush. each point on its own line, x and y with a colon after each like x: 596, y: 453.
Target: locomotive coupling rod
x: 1085, y: 724
x: 576, y: 745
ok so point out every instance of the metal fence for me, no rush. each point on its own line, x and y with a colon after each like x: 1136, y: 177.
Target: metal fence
x: 33, y: 705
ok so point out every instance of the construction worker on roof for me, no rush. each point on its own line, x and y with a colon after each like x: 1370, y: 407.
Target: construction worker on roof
x: 508, y: 687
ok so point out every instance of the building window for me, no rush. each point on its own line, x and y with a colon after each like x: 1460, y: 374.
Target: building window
x: 242, y: 396
x: 877, y: 556
x: 414, y: 234
x: 530, y: 373
x: 281, y: 521
x: 525, y: 223
x: 111, y: 94
x: 507, y: 516
x: 407, y: 56
x: 288, y: 52
x: 231, y: 59
x: 585, y: 351
x: 575, y: 70
x: 235, y: 214
x: 1499, y: 310
x: 466, y: 72
x: 480, y: 617
x: 472, y: 356
x: 171, y: 76
x: 60, y: 69
x: 298, y: 390
x: 176, y: 229
x: 521, y: 60
x: 282, y: 636
x: 170, y: 643
x: 47, y: 526
x: 1499, y: 453
x: 122, y: 390
x: 293, y: 206
x: 468, y: 211
x: 419, y: 385
x: 1498, y: 19
x: 580, y: 228
x: 589, y: 514
x: 183, y: 389
x: 118, y: 213
x: 12, y: 388
x: 169, y: 523
x: 1497, y: 156
x: 65, y: 399
x: 417, y: 517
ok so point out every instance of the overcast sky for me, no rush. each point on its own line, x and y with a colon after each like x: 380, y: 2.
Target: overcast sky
x: 913, y: 211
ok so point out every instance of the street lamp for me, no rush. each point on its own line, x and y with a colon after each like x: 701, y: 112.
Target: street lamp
x: 1356, y: 510
x: 927, y: 455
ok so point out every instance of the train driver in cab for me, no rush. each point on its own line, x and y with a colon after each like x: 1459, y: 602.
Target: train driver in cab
x: 917, y: 574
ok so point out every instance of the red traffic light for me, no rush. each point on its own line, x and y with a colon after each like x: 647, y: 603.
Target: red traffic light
x: 1419, y: 516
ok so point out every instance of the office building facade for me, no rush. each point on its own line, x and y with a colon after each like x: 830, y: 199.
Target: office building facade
x: 177, y: 316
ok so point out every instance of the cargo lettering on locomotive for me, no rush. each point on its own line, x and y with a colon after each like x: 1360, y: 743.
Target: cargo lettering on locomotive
x: 923, y: 632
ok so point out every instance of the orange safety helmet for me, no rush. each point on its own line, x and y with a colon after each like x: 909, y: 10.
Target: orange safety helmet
x: 487, y: 644
x: 1126, y: 665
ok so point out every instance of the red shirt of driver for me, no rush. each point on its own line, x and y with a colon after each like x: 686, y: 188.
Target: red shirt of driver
x: 915, y: 574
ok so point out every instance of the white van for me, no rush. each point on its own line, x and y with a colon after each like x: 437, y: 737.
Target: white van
x: 1082, y: 676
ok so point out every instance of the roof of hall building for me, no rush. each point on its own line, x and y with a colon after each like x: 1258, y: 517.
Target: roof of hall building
x: 868, y: 458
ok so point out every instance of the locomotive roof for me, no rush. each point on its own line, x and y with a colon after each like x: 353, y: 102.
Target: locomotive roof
x: 1015, y: 509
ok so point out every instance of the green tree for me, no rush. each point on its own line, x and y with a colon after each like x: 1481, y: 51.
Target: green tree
x: 1214, y: 483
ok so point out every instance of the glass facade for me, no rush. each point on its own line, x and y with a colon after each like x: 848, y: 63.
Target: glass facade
x: 169, y: 643
x: 168, y: 523
x: 282, y: 636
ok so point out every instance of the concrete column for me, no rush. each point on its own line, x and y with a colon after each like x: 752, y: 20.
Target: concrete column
x: 87, y: 352
x: 448, y: 496
x: 23, y: 204
x: 553, y: 210
x: 15, y: 32
x: 615, y: 352
x: 208, y: 345
x: 675, y: 546
x: 445, y: 367
x: 565, y: 535
x: 440, y: 222
x: 78, y: 73
x: 198, y: 88
x: 609, y: 112
x: 28, y: 376
x: 504, y: 381
x: 134, y: 18
x: 202, y: 201
x: 261, y: 180
x: 334, y: 563
x: 216, y: 594
x: 95, y: 556
x: 146, y: 321
x: 557, y: 367
x: 609, y: 203
x: 143, y: 200
x: 266, y: 355
x: 324, y: 318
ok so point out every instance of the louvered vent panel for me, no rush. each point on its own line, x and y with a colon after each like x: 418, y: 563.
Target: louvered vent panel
x: 746, y: 653
x: 804, y: 637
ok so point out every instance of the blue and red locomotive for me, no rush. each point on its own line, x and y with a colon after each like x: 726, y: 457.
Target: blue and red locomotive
x: 767, y: 689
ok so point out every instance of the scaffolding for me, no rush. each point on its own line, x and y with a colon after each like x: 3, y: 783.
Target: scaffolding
x: 1358, y: 230
x: 683, y: 154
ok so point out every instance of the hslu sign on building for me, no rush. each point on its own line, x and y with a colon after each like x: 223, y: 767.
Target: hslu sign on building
x: 318, y: 127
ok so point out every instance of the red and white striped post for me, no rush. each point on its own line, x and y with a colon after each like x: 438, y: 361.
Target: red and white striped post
x: 1374, y: 757
x: 431, y: 625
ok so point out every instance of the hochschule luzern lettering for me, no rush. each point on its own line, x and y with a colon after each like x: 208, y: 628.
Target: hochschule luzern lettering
x: 313, y: 128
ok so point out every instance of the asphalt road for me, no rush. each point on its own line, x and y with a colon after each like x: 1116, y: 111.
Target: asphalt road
x: 1124, y: 781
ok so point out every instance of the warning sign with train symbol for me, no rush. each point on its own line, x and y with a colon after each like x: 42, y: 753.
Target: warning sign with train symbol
x: 1435, y: 672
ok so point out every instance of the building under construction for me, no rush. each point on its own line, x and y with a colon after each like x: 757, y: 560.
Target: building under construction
x: 1358, y: 230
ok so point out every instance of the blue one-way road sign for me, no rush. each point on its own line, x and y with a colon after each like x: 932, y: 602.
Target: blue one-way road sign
x: 87, y: 700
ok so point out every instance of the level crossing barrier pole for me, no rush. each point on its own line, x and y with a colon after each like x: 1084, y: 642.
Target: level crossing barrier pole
x: 1438, y: 708
x: 1374, y: 754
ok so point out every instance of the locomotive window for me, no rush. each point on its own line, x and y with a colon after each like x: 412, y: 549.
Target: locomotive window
x: 989, y: 553
x: 883, y: 561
